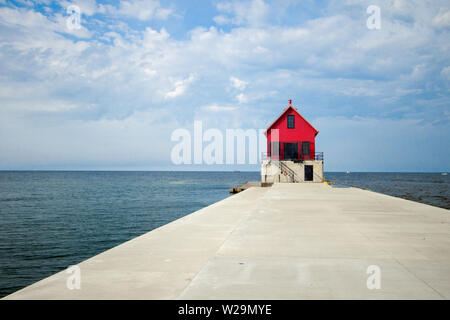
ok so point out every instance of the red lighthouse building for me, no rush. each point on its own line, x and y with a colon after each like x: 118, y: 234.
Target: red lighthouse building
x: 291, y: 137
x: 291, y: 150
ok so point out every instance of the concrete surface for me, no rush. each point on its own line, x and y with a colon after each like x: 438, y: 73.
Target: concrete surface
x: 271, y: 171
x: 245, y: 186
x: 290, y: 241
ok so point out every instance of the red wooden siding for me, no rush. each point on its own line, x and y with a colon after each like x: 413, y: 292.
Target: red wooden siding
x: 302, y: 131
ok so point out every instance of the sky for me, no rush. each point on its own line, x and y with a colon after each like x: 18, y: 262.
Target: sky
x: 108, y: 92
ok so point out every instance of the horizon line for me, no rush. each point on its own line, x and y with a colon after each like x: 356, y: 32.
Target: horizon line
x: 231, y: 171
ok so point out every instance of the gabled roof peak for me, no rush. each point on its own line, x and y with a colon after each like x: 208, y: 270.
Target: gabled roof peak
x: 296, y: 111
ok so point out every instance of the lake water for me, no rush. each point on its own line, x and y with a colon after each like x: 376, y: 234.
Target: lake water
x: 50, y: 220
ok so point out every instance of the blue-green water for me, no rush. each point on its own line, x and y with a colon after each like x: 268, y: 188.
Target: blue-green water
x: 50, y: 220
x: 429, y: 188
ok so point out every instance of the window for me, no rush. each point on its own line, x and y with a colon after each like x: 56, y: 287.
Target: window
x: 275, y: 149
x: 305, y: 148
x: 290, y: 122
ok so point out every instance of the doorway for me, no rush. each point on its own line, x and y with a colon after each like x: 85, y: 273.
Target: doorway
x: 308, y: 173
x: 290, y: 150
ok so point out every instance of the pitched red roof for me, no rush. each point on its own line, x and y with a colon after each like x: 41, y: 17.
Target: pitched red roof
x: 295, y: 110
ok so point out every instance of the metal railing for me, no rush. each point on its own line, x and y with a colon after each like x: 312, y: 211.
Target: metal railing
x: 291, y: 173
x: 285, y: 168
x: 317, y: 156
x: 293, y: 176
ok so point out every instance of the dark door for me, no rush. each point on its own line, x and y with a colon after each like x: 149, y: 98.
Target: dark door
x: 290, y: 151
x: 308, y: 173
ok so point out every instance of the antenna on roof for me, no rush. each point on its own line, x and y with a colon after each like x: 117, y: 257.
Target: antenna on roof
x: 290, y: 103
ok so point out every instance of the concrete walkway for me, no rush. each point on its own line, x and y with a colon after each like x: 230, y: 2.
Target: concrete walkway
x: 290, y: 241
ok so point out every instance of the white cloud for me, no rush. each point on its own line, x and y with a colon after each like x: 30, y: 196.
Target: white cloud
x: 154, y: 39
x: 242, y: 98
x: 442, y: 19
x: 36, y: 27
x: 87, y: 7
x: 253, y: 12
x: 163, y: 13
x: 216, y: 108
x: 330, y: 65
x: 445, y: 72
x: 238, y: 84
x: 221, y: 19
x: 402, y: 92
x: 139, y: 9
x: 180, y: 87
x: 150, y: 72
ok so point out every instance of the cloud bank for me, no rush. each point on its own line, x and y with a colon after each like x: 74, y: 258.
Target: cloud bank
x: 110, y: 93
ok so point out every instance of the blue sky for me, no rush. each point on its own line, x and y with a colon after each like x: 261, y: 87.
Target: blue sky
x: 109, y: 95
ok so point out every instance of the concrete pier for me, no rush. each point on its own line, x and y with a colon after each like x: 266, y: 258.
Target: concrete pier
x: 289, y: 241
